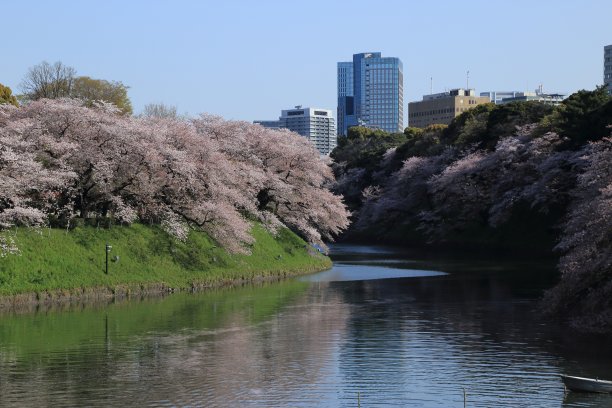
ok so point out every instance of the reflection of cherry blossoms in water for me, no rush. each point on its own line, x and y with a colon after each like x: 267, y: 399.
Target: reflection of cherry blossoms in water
x: 241, y: 363
x: 415, y: 341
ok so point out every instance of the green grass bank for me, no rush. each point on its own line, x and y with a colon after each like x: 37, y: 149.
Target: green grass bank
x: 56, y: 264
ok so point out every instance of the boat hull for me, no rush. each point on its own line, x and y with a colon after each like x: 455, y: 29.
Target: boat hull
x: 582, y: 384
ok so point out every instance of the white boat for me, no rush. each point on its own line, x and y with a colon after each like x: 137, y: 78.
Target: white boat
x: 583, y: 384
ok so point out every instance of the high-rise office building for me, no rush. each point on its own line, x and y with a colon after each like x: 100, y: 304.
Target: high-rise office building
x: 371, y: 93
x: 317, y: 125
x: 608, y: 67
x: 346, y: 100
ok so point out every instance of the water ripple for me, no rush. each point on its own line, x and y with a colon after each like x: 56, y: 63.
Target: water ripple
x: 386, y: 337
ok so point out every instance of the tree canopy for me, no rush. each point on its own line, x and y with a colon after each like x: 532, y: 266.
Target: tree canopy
x: 91, y: 90
x: 484, y: 125
x: 7, y: 97
x: 49, y: 81
x: 584, y: 116
x: 64, y: 162
x: 159, y: 110
x: 364, y: 147
x: 524, y: 175
x: 53, y: 81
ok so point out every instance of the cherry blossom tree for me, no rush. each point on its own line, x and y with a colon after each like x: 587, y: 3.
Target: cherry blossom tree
x: 29, y: 190
x: 284, y: 174
x: 61, y: 160
x: 446, y: 193
x: 405, y: 198
x: 584, y: 294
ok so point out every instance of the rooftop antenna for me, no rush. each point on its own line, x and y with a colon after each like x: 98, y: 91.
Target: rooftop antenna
x: 467, y: 80
x: 431, y: 85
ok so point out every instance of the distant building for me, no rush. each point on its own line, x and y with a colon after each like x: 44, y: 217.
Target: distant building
x: 442, y: 108
x: 538, y: 96
x: 346, y: 101
x: 317, y: 125
x: 371, y: 93
x: 497, y: 96
x: 272, y: 124
x: 608, y: 67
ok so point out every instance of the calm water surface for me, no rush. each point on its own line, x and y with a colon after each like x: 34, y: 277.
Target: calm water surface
x: 389, y: 328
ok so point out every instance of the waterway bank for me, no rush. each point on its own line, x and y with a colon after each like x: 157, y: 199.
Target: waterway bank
x: 59, y: 267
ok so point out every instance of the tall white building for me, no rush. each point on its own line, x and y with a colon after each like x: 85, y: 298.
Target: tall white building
x: 316, y: 124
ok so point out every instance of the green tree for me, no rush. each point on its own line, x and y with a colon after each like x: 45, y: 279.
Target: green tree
x: 412, y: 132
x: 57, y: 80
x: 584, y: 116
x: 90, y: 90
x: 421, y: 142
x: 6, y: 96
x: 504, y: 119
x: 469, y: 127
x: 358, y: 158
x: 364, y: 147
x: 484, y: 125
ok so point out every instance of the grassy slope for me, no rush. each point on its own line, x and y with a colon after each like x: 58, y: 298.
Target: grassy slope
x: 57, y: 260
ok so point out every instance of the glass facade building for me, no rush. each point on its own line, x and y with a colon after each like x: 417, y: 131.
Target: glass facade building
x: 608, y: 68
x: 346, y: 100
x: 371, y: 93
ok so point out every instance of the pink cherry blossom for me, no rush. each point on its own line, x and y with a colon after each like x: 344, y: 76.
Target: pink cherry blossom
x: 60, y: 160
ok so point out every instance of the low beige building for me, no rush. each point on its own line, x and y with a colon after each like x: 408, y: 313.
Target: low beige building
x: 442, y: 108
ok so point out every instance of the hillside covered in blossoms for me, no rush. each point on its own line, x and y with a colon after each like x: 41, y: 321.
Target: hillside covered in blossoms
x: 522, y: 177
x: 64, y: 164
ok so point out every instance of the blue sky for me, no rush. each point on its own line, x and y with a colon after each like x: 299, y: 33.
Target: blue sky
x: 250, y: 59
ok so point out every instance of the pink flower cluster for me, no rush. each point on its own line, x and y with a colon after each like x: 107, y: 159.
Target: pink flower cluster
x: 60, y: 160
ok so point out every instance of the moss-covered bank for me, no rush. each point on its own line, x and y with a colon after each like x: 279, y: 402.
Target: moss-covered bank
x: 59, y: 265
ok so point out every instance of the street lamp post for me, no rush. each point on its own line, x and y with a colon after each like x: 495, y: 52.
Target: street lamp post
x: 108, y: 249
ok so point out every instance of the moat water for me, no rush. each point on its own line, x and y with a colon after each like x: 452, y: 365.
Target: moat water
x: 382, y: 328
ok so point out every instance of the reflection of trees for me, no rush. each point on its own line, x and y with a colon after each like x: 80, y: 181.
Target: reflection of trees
x: 212, y: 349
x: 395, y: 341
x: 283, y: 354
x: 74, y: 329
x: 478, y: 327
x: 460, y: 296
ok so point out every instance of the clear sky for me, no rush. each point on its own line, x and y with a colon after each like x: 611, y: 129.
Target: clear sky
x: 250, y: 59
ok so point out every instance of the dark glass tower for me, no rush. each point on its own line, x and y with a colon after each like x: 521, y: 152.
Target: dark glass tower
x: 608, y: 68
x: 376, y: 96
x: 346, y: 100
